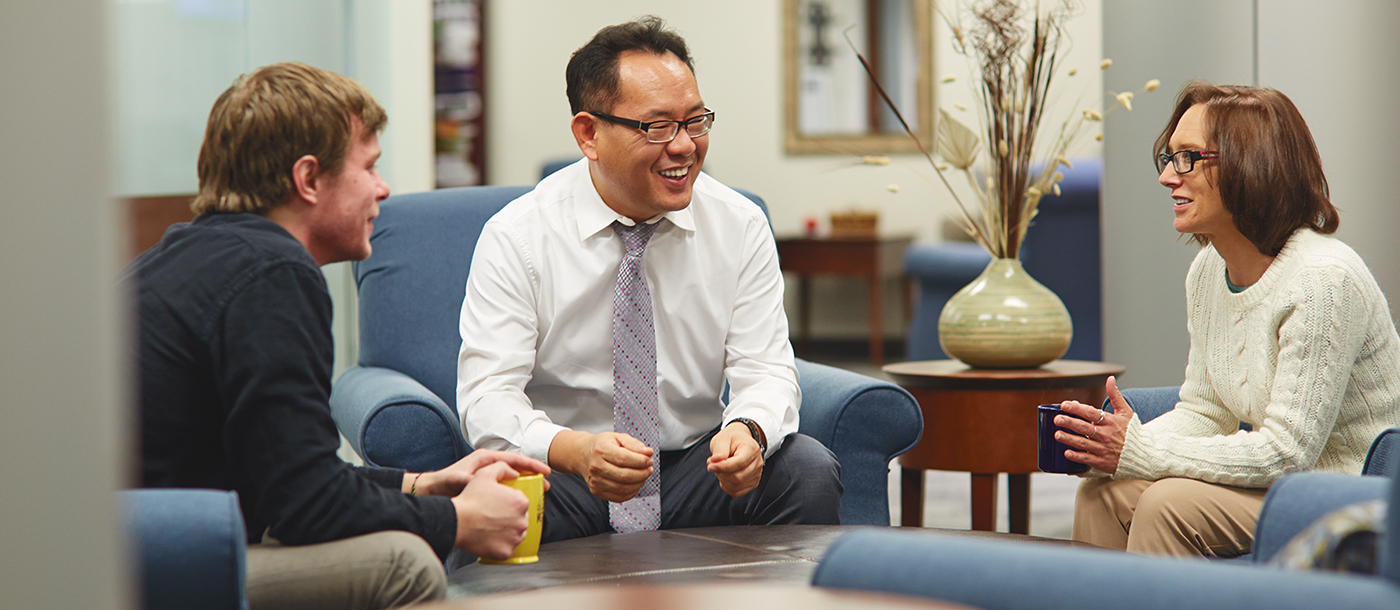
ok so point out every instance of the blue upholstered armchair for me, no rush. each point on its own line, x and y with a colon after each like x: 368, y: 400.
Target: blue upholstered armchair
x: 1011, y: 575
x: 398, y: 406
x: 190, y: 546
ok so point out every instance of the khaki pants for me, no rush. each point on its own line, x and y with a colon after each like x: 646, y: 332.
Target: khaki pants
x: 369, y: 572
x: 1180, y: 517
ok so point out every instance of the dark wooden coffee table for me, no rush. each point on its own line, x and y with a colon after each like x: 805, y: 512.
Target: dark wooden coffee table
x: 770, y: 554
x: 708, y: 596
x: 984, y: 421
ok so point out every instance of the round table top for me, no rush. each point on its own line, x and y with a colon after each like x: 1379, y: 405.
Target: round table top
x: 953, y: 374
x: 706, y: 596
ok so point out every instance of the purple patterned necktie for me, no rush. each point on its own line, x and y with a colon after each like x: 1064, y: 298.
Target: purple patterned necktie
x: 634, y: 378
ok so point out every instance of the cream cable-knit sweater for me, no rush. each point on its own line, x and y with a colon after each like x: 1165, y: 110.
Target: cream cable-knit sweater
x: 1308, y: 355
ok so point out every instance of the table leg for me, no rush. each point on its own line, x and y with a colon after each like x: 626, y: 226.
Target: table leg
x: 877, y: 329
x: 1018, y: 503
x: 984, y: 502
x: 804, y: 314
x: 911, y: 497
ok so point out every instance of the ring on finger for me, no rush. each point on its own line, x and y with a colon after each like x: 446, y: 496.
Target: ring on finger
x: 1102, y: 414
x: 1092, y: 434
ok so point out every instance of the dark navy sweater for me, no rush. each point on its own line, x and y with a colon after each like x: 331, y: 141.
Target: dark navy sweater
x: 235, y: 357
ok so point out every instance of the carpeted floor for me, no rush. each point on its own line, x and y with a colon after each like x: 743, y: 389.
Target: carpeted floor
x: 947, y: 501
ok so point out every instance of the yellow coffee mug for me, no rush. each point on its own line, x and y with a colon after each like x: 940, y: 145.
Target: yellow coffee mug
x: 528, y: 551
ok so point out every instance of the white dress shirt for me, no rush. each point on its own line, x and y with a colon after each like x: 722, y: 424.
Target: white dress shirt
x: 537, y: 318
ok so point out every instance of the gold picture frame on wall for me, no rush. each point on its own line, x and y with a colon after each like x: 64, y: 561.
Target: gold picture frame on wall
x: 830, y: 107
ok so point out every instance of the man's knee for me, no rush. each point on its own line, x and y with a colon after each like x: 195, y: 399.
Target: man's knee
x: 807, y: 462
x: 416, y: 573
x: 571, y: 510
x: 804, y: 483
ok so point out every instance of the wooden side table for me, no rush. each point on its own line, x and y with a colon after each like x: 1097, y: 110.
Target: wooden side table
x: 873, y: 258
x: 984, y: 421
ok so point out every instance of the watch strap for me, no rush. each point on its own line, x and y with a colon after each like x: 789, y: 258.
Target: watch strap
x: 754, y: 430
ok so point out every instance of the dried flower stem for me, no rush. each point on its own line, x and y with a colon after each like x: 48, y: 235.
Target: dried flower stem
x: 1017, y: 68
x: 1016, y: 65
x: 982, y: 239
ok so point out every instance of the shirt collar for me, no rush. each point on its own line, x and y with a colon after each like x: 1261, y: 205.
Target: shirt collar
x: 594, y: 215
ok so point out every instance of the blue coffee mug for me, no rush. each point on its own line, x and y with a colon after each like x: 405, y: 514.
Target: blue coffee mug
x: 1052, y: 452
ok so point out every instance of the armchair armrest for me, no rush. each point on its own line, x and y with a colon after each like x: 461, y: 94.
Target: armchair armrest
x: 1384, y: 453
x: 954, y: 262
x: 392, y: 420
x: 1027, y: 575
x: 1148, y: 403
x: 1297, y: 500
x: 866, y: 423
x: 191, y: 545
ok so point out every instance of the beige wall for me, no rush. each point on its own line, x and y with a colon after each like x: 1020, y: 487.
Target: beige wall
x: 1337, y: 65
x: 1332, y: 60
x: 737, y: 45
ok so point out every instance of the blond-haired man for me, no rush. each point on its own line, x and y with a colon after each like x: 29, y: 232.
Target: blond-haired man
x: 235, y: 358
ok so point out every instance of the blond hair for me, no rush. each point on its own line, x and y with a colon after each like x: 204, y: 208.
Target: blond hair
x: 267, y: 120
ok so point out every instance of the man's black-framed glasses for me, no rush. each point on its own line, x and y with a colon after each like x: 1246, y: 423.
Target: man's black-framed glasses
x: 1183, y: 161
x: 665, y: 131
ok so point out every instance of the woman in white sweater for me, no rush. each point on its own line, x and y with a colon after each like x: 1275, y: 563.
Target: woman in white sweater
x: 1289, y: 334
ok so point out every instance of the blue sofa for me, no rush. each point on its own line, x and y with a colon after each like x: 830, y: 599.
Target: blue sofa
x: 191, y: 548
x: 997, y: 575
x: 397, y: 407
x: 1061, y: 251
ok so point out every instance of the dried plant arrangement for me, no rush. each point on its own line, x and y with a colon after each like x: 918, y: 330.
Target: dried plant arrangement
x: 1014, y: 52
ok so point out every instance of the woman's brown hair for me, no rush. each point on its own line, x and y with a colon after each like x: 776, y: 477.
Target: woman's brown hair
x: 1269, y: 172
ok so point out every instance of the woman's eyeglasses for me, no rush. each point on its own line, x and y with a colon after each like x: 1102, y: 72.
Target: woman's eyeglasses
x: 1183, y: 161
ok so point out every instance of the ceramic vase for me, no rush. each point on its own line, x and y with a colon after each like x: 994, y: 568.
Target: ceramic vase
x: 1005, y: 319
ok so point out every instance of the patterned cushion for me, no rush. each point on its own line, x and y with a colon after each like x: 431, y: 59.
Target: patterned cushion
x: 1345, y: 540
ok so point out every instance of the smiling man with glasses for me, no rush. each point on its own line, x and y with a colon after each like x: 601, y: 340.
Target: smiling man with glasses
x: 606, y: 310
